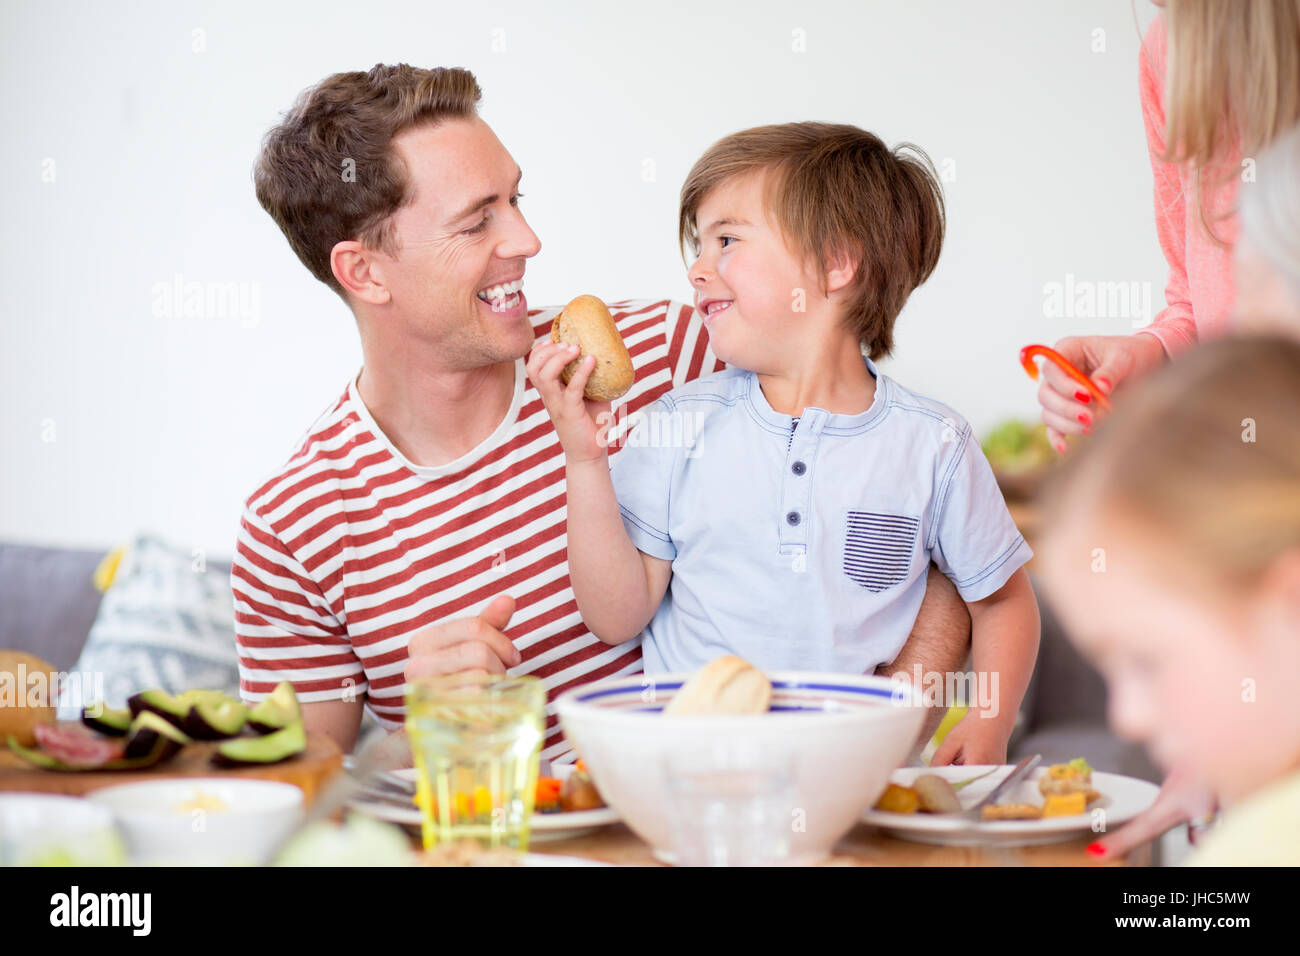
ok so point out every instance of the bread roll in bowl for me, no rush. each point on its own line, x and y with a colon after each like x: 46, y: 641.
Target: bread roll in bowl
x: 586, y: 323
x: 725, y: 685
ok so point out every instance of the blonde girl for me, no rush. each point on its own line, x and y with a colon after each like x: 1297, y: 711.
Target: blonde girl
x: 1174, y: 561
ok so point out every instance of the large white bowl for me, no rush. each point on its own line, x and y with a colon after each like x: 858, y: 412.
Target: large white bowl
x: 254, y: 818
x: 42, y: 829
x: 841, y: 736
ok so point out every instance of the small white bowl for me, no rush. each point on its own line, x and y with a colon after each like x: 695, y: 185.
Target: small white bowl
x: 827, y: 747
x: 204, y: 821
x: 42, y: 829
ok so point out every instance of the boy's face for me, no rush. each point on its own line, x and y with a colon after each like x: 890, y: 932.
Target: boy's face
x: 751, y: 290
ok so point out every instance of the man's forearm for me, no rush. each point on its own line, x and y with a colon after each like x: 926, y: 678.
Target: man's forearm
x: 939, y: 642
x: 940, y: 638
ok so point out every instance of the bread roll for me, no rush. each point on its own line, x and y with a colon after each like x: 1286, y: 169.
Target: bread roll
x: 726, y: 685
x: 25, y: 701
x: 586, y: 323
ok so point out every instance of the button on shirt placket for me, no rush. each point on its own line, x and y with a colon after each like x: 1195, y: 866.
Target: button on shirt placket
x: 794, y: 519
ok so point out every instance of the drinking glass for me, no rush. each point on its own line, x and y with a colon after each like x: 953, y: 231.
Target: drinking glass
x: 476, y: 740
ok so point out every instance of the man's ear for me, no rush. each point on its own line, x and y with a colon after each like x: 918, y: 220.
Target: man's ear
x: 841, y: 268
x: 355, y: 269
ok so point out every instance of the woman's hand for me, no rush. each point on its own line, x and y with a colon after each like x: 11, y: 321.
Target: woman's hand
x: 581, y: 424
x: 1108, y: 360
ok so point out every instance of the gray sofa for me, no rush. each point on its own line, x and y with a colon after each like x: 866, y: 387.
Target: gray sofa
x: 48, y: 602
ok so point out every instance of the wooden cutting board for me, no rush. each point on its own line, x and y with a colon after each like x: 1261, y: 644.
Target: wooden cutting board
x: 310, y: 770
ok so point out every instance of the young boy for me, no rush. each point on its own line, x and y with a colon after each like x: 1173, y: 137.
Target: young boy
x: 797, y: 528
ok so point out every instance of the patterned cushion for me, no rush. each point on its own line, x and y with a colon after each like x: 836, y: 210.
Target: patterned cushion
x: 167, y: 622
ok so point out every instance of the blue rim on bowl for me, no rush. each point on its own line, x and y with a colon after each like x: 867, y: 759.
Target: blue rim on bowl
x: 795, y: 694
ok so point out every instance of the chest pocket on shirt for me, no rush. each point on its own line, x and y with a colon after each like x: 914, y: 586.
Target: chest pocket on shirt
x: 878, y: 548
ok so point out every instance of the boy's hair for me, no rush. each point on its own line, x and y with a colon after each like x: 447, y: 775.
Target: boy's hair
x: 327, y: 172
x: 1204, y: 454
x: 837, y: 189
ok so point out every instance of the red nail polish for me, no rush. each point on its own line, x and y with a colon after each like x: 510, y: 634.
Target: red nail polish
x: 1104, y: 383
x: 1083, y: 396
x: 1096, y: 849
x: 1085, y: 418
x: 1061, y: 447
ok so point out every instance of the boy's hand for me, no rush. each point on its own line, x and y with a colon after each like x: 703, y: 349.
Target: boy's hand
x: 581, y: 424
x: 975, y: 740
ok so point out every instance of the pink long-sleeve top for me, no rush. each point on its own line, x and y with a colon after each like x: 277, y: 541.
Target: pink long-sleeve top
x: 1200, y: 289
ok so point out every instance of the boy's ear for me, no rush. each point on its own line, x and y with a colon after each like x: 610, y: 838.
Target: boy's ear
x: 841, y: 268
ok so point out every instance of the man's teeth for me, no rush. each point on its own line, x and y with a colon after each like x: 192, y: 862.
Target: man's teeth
x: 498, y: 293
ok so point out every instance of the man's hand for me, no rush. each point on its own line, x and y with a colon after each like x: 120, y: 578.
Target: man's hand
x: 465, y: 644
x: 580, y: 424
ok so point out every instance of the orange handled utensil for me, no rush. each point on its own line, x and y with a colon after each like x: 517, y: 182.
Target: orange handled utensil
x: 1031, y: 352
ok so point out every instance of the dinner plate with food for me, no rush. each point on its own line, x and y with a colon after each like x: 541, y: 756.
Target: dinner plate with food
x: 1056, y: 803
x: 567, y: 804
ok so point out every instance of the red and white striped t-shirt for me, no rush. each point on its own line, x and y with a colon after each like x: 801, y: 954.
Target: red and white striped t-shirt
x: 349, y: 548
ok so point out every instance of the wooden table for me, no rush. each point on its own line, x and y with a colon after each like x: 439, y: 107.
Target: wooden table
x: 309, y: 770
x: 862, y: 846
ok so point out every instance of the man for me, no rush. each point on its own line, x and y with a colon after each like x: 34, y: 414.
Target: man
x: 419, y: 527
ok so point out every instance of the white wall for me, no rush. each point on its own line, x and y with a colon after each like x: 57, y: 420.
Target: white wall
x: 114, y: 419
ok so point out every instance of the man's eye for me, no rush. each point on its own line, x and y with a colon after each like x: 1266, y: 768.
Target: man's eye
x: 514, y: 201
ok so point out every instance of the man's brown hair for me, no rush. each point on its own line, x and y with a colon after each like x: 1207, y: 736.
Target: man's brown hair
x: 837, y: 189
x: 327, y: 173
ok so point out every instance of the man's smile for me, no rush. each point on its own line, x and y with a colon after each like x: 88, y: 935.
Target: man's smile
x: 505, y: 298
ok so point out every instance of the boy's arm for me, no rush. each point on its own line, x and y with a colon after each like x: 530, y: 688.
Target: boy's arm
x: 617, y: 587
x: 1005, y: 628
x: 1004, y: 641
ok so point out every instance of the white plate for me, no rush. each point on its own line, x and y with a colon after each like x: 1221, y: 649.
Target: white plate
x: 1122, y: 799
x: 544, y: 826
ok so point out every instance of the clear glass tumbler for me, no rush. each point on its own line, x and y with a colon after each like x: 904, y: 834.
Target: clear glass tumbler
x: 475, y: 740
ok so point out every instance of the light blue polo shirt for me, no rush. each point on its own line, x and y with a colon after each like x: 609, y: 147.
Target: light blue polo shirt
x: 804, y: 543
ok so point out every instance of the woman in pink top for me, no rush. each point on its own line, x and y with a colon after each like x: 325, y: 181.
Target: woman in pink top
x: 1219, y: 81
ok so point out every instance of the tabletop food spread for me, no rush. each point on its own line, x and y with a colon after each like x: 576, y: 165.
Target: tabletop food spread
x: 725, y: 766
